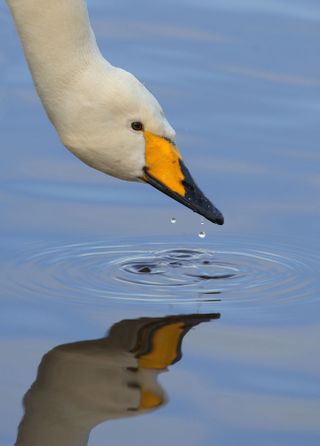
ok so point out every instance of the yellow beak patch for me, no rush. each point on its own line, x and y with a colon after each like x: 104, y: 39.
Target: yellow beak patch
x: 149, y: 400
x: 165, y: 170
x: 162, y: 163
x: 166, y: 342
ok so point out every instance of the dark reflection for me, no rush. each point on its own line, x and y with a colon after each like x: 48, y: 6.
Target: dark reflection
x: 82, y: 384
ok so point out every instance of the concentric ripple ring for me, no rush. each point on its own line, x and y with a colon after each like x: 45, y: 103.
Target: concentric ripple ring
x: 229, y: 273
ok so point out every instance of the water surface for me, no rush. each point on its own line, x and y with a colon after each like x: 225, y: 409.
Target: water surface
x: 144, y: 332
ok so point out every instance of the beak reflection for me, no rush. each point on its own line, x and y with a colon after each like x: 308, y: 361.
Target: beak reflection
x: 82, y: 384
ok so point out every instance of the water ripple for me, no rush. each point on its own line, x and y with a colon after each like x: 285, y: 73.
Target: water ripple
x: 165, y: 273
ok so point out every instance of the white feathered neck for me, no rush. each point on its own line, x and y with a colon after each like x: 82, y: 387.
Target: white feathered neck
x: 54, y: 30
x: 90, y: 102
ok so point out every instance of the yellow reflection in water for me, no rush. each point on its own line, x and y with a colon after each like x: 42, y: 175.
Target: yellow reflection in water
x: 82, y: 384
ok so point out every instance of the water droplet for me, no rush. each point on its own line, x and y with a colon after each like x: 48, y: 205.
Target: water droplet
x: 173, y: 220
x: 202, y: 234
x: 202, y: 221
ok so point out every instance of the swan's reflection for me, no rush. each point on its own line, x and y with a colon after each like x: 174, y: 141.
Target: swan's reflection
x: 82, y: 384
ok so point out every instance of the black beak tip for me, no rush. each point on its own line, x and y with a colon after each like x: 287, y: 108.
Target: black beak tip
x: 197, y: 201
x: 193, y: 199
x: 220, y: 219
x: 211, y: 213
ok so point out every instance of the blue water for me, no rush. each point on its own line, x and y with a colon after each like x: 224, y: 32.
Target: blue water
x: 82, y: 254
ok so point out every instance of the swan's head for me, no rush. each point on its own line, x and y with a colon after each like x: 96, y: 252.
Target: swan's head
x: 114, y: 124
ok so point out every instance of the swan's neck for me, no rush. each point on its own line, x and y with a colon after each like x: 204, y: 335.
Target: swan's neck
x: 58, y: 43
x: 40, y: 428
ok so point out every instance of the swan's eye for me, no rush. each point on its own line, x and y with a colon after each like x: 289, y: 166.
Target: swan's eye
x: 137, y: 126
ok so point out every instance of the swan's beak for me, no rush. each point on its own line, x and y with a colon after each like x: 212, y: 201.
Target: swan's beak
x: 166, y: 171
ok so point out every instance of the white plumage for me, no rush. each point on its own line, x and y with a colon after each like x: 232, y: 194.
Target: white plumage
x: 93, y: 104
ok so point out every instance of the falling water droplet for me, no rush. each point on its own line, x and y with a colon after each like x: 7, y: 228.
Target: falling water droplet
x: 173, y: 220
x: 202, y: 234
x: 202, y: 221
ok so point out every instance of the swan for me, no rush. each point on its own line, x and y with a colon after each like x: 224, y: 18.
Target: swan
x: 102, y: 113
x: 83, y: 384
